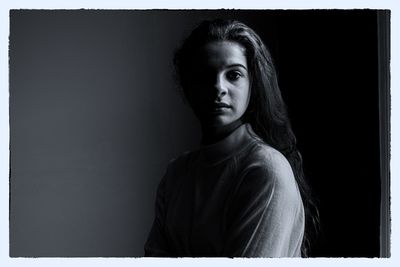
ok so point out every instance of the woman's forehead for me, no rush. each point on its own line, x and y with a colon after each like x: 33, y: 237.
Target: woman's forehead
x: 222, y: 53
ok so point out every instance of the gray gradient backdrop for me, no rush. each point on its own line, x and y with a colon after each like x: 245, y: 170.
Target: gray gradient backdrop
x: 95, y: 117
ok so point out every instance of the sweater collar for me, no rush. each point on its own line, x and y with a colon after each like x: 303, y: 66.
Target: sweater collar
x: 239, y: 139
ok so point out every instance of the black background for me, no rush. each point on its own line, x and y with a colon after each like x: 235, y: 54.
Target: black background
x: 95, y: 116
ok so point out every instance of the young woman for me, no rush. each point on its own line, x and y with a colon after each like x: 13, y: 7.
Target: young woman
x: 242, y: 193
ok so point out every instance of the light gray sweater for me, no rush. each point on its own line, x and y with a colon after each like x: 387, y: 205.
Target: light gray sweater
x: 234, y: 198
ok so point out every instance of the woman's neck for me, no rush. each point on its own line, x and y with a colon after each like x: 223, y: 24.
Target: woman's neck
x: 212, y: 135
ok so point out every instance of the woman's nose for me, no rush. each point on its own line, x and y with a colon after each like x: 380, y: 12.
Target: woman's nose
x: 220, y: 87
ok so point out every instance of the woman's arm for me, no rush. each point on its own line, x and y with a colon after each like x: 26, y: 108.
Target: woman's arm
x: 266, y: 217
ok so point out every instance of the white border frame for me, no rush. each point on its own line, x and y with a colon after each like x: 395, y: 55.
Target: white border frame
x: 6, y: 5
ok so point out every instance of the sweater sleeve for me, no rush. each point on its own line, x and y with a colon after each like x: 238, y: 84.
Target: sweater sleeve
x: 266, y: 218
x: 156, y: 244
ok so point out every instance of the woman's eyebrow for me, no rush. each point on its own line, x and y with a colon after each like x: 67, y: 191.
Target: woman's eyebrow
x: 236, y: 65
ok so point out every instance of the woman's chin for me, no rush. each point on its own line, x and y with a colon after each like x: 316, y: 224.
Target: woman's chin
x: 216, y: 122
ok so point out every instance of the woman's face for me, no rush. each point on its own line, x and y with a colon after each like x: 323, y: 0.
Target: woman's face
x: 219, y: 89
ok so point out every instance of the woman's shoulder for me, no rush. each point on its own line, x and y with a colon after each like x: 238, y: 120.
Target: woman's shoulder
x: 266, y: 175
x: 267, y: 156
x: 175, y: 167
x: 179, y: 166
x: 268, y: 165
x: 180, y: 160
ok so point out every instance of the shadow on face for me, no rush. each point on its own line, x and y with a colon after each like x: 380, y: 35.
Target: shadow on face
x: 219, y: 87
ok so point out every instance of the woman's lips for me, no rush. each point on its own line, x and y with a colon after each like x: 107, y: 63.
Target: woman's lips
x: 220, y: 107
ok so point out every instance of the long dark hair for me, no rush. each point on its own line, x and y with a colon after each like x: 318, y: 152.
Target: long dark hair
x: 266, y: 112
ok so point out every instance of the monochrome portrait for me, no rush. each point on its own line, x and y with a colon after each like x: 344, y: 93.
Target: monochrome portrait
x: 199, y: 133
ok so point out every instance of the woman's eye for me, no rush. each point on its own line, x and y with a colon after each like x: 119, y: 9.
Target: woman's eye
x: 234, y: 75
